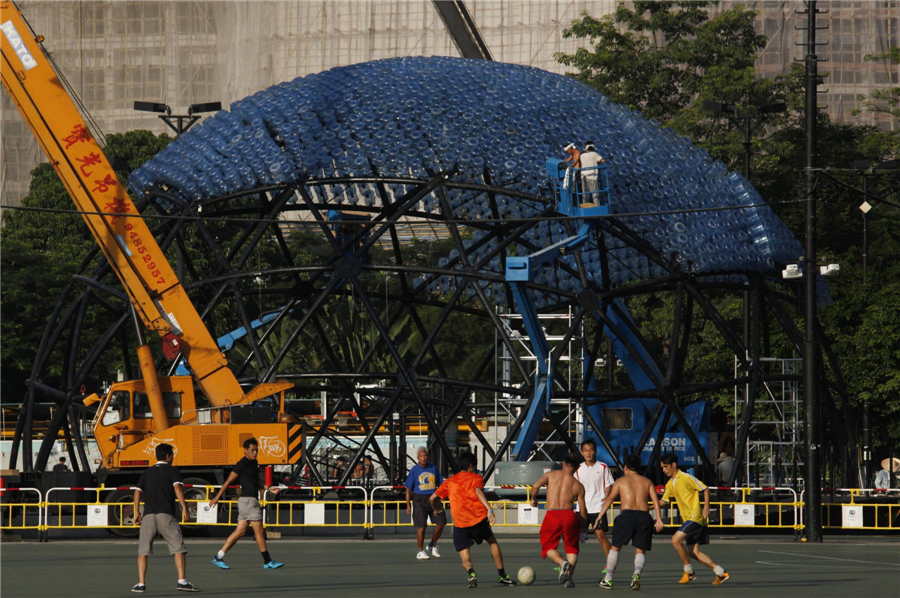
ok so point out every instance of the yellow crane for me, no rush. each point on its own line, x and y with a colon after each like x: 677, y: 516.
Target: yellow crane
x: 135, y: 416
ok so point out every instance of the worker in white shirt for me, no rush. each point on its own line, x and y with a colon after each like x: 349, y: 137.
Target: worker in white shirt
x: 597, y: 481
x: 590, y: 179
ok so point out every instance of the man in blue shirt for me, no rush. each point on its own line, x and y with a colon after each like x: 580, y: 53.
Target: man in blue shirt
x: 422, y: 481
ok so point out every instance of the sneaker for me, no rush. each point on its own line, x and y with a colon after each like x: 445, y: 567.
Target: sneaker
x: 570, y: 583
x: 423, y: 555
x: 687, y: 577
x: 505, y: 581
x: 273, y: 565
x: 564, y: 572
x: 720, y: 579
x: 139, y: 587
x: 605, y: 584
x: 433, y: 552
x: 635, y: 582
x: 220, y: 563
x: 473, y: 580
x: 187, y: 587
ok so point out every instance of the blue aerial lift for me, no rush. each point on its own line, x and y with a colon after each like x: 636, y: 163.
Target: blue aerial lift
x: 623, y: 421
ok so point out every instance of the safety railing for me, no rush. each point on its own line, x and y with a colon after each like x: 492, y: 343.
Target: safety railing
x: 319, y: 506
x: 385, y: 506
x: 18, y: 511
x: 861, y: 509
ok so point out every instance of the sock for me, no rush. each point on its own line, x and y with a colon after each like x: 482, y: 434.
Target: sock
x: 471, y: 571
x: 266, y: 557
x: 611, y: 561
x: 431, y: 545
x: 220, y: 555
x: 639, y: 561
x: 688, y: 569
x: 502, y: 571
x: 182, y: 581
x: 719, y: 570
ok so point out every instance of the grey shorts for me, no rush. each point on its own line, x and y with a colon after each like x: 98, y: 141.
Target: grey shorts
x: 166, y: 526
x: 249, y: 509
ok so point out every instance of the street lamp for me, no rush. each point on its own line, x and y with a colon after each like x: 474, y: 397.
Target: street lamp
x: 866, y: 168
x: 177, y: 122
x: 738, y: 114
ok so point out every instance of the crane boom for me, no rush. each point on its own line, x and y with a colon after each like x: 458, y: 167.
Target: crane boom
x: 155, y: 292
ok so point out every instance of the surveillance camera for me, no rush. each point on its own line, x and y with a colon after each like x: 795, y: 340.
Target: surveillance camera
x: 830, y: 270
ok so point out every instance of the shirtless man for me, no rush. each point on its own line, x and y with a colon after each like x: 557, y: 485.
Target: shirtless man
x: 633, y: 524
x: 561, y: 521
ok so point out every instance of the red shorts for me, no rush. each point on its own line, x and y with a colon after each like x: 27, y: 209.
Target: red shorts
x: 561, y: 523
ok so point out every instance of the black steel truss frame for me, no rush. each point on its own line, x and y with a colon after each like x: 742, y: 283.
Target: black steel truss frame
x: 344, y: 272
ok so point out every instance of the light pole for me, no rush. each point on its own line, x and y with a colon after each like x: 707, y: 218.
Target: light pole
x: 178, y: 122
x: 744, y: 117
x: 738, y: 114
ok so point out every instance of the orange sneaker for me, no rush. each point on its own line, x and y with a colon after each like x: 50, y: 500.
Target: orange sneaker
x: 687, y: 577
x: 720, y: 579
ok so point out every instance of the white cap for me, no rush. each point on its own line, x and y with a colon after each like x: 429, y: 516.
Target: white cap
x: 570, y: 146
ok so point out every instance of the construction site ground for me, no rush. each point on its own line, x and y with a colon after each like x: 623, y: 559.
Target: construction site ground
x: 770, y: 567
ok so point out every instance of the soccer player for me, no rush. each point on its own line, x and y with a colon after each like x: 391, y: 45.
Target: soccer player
x: 422, y: 481
x: 694, y: 530
x: 161, y: 486
x: 563, y: 490
x: 597, y: 480
x: 633, y: 524
x: 249, y: 511
x: 472, y: 517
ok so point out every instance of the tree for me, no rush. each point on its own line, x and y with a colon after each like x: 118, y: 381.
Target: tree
x: 44, y: 246
x: 664, y: 59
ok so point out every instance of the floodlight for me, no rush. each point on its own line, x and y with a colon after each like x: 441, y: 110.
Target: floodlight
x: 151, y: 107
x: 791, y: 271
x: 207, y: 107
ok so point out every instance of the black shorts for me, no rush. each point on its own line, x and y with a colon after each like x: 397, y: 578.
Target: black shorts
x: 635, y: 527
x: 464, y: 537
x: 604, y: 523
x: 696, y: 533
x: 422, y: 510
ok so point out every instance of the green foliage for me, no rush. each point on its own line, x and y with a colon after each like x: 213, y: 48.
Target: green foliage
x: 43, y: 247
x: 664, y: 59
x: 885, y: 100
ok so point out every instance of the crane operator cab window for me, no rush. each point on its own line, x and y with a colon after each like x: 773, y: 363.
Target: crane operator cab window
x: 118, y: 409
x: 171, y: 401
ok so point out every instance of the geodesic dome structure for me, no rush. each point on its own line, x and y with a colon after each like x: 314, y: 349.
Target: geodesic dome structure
x: 482, y: 122
x: 462, y: 145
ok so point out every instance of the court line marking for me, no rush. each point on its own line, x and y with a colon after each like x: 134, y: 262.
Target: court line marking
x: 815, y: 565
x: 830, y: 558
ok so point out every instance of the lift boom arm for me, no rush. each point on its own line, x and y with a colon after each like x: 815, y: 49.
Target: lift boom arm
x: 125, y: 239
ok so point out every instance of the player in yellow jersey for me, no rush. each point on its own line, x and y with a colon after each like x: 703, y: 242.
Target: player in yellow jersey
x: 694, y: 531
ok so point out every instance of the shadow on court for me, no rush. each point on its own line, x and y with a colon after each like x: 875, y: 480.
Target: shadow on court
x: 388, y: 568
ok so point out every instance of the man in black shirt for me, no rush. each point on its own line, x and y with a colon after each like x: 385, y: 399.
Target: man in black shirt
x: 161, y: 485
x: 61, y: 466
x: 249, y: 511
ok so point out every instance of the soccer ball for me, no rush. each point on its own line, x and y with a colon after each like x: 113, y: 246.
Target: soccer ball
x: 526, y: 576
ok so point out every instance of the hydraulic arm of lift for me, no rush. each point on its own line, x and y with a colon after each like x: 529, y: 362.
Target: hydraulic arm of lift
x: 156, y: 294
x: 521, y: 269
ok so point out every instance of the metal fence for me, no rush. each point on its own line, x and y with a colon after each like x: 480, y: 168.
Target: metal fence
x: 85, y: 508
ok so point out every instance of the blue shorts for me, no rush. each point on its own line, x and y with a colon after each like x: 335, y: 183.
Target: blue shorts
x: 696, y: 533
